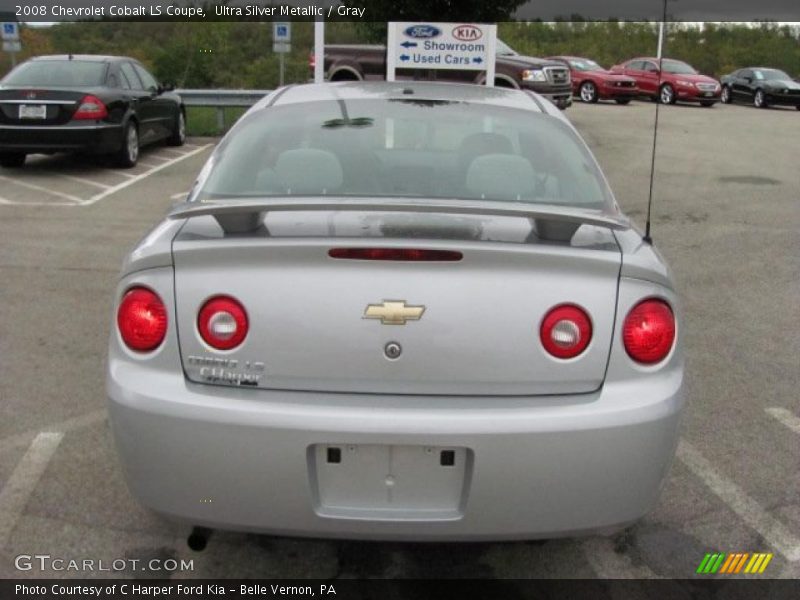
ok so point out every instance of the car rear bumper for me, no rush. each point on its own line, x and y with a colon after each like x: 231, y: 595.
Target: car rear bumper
x: 99, y: 138
x: 535, y: 467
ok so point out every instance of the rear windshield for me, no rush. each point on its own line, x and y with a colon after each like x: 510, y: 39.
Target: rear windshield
x: 58, y: 73
x: 406, y: 148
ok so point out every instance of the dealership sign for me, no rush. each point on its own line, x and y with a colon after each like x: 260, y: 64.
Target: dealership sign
x: 458, y: 46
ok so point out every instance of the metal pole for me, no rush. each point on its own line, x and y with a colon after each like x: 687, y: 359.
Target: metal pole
x: 391, y: 43
x: 319, y: 51
x: 282, y: 69
x: 220, y: 119
x: 660, y: 38
x: 13, y: 59
x: 491, y: 52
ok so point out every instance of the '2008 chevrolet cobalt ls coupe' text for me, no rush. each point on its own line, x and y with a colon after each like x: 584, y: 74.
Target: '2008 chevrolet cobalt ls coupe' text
x: 397, y: 311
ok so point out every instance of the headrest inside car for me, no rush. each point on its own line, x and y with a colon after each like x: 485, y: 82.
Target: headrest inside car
x: 308, y: 171
x: 501, y: 177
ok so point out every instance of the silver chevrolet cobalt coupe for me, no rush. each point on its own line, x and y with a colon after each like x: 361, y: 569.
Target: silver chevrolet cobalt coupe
x: 403, y: 311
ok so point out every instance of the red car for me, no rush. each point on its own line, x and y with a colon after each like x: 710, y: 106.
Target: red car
x: 591, y: 82
x: 676, y: 81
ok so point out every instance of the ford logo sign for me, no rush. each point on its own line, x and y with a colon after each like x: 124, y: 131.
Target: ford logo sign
x: 422, y: 31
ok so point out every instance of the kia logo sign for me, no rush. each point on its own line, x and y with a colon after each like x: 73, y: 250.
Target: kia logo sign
x: 422, y: 31
x: 467, y: 33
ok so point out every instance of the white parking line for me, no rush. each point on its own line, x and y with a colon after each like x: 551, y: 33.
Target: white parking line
x: 20, y: 439
x: 136, y: 178
x: 160, y: 158
x: 86, y: 181
x: 23, y: 481
x: 609, y: 564
x: 39, y: 188
x: 786, y: 417
x: 107, y: 189
x: 777, y: 535
x: 172, y: 151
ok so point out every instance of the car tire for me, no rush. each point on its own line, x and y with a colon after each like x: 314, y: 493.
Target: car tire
x: 588, y: 92
x: 666, y: 95
x: 623, y: 101
x: 178, y: 137
x: 128, y: 154
x: 725, y: 96
x: 12, y: 160
x: 760, y: 99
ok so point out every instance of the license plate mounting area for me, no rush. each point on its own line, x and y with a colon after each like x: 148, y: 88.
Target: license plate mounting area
x: 32, y: 111
x: 389, y: 482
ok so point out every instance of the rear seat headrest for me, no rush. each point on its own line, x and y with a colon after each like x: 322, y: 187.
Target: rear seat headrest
x: 308, y: 171
x: 501, y: 177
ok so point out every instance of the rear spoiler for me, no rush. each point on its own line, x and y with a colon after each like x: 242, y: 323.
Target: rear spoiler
x: 550, y: 221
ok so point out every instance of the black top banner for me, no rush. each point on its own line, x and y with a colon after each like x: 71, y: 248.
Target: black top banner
x: 395, y: 10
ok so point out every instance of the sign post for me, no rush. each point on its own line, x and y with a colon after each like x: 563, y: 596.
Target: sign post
x: 11, y: 43
x: 281, y: 44
x: 456, y: 46
x: 319, y: 51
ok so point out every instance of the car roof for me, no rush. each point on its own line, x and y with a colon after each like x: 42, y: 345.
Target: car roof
x: 83, y: 57
x: 407, y: 90
x: 655, y: 59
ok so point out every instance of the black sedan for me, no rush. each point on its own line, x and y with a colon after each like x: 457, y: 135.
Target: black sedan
x: 81, y: 103
x: 763, y: 87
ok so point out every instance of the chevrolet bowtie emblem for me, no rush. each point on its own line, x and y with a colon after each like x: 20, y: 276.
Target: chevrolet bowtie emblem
x: 394, y: 312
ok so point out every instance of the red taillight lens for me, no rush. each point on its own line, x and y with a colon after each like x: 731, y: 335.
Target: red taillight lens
x: 408, y: 254
x: 222, y: 323
x: 142, y: 319
x: 649, y: 331
x: 566, y: 331
x: 91, y: 107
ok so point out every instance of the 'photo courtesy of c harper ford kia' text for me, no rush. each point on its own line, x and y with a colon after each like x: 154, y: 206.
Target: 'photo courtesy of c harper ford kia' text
x: 399, y: 299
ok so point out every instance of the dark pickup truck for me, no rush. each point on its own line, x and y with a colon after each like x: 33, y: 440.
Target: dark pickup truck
x: 548, y: 78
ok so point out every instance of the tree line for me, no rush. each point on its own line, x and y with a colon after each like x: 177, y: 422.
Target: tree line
x: 239, y: 54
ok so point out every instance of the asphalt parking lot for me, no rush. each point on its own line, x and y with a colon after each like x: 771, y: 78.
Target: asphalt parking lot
x: 726, y: 216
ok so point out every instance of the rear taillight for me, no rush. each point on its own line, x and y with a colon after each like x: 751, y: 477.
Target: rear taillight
x: 142, y: 319
x: 566, y: 331
x: 222, y: 323
x: 407, y: 254
x: 91, y: 107
x: 649, y: 331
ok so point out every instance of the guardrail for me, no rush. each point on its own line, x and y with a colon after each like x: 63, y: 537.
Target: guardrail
x: 220, y: 99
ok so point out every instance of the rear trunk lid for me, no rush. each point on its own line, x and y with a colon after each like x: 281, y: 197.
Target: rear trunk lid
x: 478, y: 334
x: 32, y: 106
